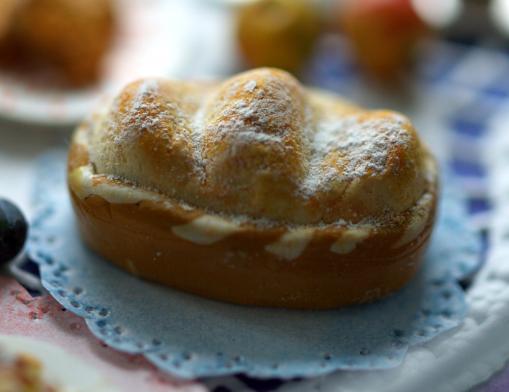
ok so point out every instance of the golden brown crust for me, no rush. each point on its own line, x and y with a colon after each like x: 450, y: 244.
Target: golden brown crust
x: 261, y: 145
x: 261, y: 242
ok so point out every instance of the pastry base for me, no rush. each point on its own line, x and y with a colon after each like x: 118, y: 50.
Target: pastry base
x: 137, y: 238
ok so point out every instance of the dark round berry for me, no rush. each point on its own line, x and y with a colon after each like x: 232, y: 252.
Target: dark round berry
x: 13, y: 231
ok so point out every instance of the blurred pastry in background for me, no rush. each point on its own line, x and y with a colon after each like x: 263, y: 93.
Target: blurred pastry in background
x: 6, y: 11
x: 7, y: 8
x: 278, y: 33
x: 382, y: 33
x: 22, y: 373
x: 70, y: 37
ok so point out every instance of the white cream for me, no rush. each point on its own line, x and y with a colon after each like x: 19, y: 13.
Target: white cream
x: 418, y: 221
x: 208, y: 229
x: 81, y: 182
x: 431, y: 170
x: 292, y: 244
x: 349, y: 240
x: 205, y: 230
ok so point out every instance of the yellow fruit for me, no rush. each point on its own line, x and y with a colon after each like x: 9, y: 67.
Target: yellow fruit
x: 278, y: 33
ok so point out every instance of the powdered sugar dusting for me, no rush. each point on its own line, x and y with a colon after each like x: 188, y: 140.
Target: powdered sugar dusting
x: 263, y: 116
x: 260, y: 125
x: 360, y: 148
x: 197, y: 127
x: 247, y: 122
x: 146, y: 114
x: 134, y: 121
x: 250, y: 86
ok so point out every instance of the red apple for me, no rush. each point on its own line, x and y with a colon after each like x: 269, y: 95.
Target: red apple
x: 383, y: 34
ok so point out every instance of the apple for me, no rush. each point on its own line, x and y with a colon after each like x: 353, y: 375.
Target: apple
x: 278, y: 33
x: 382, y: 33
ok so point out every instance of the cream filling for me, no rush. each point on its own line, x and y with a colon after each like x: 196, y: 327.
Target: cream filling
x: 81, y: 182
x: 205, y: 230
x: 208, y: 229
x: 291, y: 244
x: 417, y: 222
x: 349, y: 240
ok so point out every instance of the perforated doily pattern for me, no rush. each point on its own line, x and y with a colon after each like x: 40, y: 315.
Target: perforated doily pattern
x: 191, y: 336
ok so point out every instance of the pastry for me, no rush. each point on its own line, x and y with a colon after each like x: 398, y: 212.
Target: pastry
x: 254, y: 191
x: 33, y: 365
x: 7, y: 9
x: 69, y: 36
x: 22, y: 373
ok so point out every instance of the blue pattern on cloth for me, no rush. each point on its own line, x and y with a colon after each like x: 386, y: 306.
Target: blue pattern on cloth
x: 195, y: 337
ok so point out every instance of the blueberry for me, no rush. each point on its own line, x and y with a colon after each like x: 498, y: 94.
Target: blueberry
x: 13, y: 231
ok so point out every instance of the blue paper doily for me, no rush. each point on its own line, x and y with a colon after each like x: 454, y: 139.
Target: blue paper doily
x: 194, y: 337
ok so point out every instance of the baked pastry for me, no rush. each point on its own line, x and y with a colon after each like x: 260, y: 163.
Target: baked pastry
x: 7, y: 9
x: 22, y: 373
x: 254, y: 191
x: 69, y: 36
